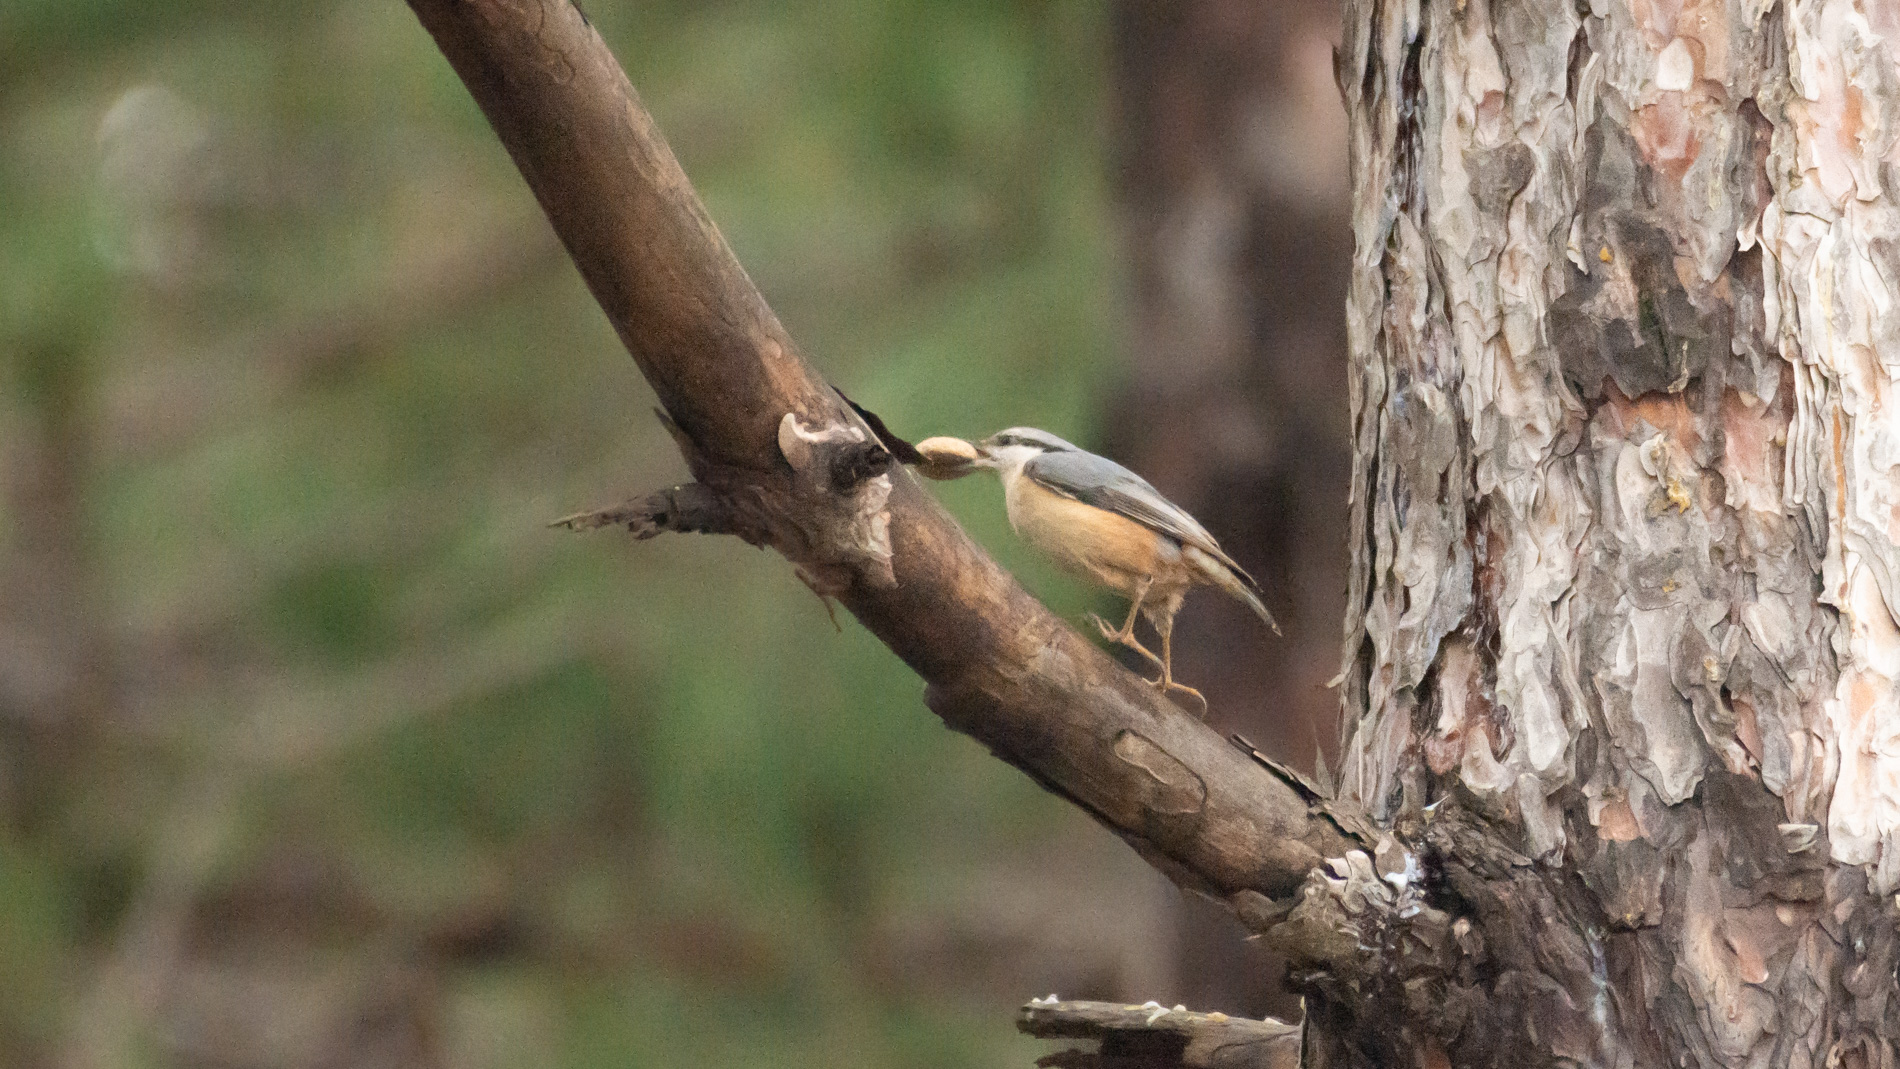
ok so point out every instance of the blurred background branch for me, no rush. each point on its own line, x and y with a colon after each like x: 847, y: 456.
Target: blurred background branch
x: 277, y: 587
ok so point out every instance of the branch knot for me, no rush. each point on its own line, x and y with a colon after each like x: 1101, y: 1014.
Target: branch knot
x: 845, y: 473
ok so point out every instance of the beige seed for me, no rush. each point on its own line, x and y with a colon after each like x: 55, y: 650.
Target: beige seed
x: 946, y: 458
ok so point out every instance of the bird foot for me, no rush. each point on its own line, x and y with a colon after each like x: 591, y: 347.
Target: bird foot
x: 1124, y: 637
x: 1168, y: 686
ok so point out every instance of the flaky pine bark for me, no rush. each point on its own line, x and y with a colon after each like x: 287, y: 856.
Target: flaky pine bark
x: 1624, y: 666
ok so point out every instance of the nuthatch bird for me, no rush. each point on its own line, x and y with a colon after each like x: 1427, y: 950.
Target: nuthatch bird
x: 1102, y: 522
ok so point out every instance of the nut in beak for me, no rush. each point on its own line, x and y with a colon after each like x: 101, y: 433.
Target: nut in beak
x: 947, y: 458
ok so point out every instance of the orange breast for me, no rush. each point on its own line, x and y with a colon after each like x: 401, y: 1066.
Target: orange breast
x: 1096, y: 544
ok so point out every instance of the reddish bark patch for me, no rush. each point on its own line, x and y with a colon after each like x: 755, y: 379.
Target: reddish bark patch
x: 1667, y: 413
x: 1657, y: 18
x: 1754, y: 439
x: 1840, y: 467
x: 1747, y: 728
x: 1443, y: 752
x: 1665, y: 132
x: 1616, y: 822
x: 1746, y: 942
x: 1847, y: 131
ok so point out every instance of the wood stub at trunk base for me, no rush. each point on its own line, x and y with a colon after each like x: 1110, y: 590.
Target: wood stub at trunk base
x: 1153, y: 1036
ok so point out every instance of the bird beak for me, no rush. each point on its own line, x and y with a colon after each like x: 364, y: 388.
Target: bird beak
x: 950, y: 458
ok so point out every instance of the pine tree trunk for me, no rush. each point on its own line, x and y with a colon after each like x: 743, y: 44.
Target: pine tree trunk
x: 1622, y: 661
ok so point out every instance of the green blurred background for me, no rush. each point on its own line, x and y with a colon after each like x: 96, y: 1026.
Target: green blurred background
x: 318, y: 748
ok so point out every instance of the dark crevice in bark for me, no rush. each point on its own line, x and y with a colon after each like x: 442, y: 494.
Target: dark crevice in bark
x: 1411, y: 108
x: 1579, y: 56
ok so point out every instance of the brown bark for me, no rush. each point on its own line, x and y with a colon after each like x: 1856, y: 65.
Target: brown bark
x: 794, y: 468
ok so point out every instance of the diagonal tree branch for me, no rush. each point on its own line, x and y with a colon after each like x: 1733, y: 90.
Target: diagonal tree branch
x: 781, y: 461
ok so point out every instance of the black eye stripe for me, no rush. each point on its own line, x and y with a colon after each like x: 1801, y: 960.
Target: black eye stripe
x: 1034, y: 439
x: 1001, y: 440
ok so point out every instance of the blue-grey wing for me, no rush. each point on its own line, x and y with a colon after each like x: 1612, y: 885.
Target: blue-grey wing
x: 1101, y: 482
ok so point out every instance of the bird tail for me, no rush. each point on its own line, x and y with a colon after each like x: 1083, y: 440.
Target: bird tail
x: 1234, y: 582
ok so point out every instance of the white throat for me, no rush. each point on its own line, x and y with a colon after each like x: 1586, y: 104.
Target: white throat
x: 1009, y: 460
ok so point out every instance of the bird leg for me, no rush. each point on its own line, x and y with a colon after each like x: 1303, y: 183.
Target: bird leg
x: 1126, y: 634
x: 1166, y: 683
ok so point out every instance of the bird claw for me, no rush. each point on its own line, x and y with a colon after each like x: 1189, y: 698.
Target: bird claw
x: 1124, y: 637
x: 1168, y: 686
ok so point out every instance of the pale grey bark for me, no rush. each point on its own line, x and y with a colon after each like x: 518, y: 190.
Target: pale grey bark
x: 1623, y: 326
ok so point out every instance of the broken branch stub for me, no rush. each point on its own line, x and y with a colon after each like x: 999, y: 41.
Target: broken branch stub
x: 1153, y: 1036
x: 692, y: 508
x: 828, y: 517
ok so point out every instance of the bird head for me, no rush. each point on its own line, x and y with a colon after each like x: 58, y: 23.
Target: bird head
x: 1007, y: 451
x: 1004, y: 452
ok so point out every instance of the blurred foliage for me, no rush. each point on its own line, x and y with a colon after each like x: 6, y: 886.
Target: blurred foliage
x: 316, y: 746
